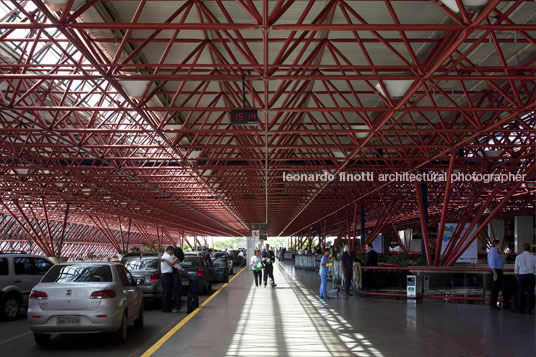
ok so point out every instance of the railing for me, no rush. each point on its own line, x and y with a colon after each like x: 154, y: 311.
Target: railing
x: 445, y: 283
x: 306, y: 262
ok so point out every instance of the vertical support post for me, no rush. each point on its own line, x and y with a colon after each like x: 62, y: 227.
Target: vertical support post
x: 446, y: 199
x: 363, y: 228
x: 422, y: 202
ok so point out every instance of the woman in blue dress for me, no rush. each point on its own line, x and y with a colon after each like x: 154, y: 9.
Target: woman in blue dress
x: 324, y: 274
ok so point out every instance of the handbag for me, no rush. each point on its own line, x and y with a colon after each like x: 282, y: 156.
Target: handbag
x: 259, y: 266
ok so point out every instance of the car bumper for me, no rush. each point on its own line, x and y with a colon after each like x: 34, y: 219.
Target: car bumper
x: 89, y: 321
x: 151, y: 291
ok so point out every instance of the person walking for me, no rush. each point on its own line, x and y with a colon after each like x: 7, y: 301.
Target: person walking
x: 525, y: 268
x: 347, y: 266
x: 167, y: 261
x: 496, y: 266
x: 267, y: 259
x: 324, y: 274
x: 257, y: 270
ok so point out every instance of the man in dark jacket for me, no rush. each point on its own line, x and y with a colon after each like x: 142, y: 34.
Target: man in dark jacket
x: 371, y: 256
x: 371, y: 260
x: 267, y: 259
x: 347, y: 267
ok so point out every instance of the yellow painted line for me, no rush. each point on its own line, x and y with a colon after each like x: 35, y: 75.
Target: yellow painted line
x: 184, y: 321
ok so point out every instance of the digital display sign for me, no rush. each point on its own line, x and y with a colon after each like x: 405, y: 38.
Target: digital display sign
x: 244, y: 117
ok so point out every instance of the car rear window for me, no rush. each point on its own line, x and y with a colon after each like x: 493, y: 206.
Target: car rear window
x: 3, y: 266
x: 78, y: 273
x: 143, y: 264
x: 190, y: 262
x: 219, y: 262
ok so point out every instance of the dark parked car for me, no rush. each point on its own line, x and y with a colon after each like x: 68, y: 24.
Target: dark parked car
x: 237, y: 260
x: 145, y: 268
x: 228, y: 260
x: 194, y: 266
x: 220, y: 270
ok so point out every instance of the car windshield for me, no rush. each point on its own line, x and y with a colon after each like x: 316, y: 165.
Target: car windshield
x: 78, y: 273
x: 233, y: 253
x: 190, y: 261
x: 141, y: 264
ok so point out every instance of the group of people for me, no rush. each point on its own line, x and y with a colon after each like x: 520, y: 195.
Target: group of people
x: 263, y: 261
x: 524, y: 269
x: 347, y: 261
x: 171, y: 270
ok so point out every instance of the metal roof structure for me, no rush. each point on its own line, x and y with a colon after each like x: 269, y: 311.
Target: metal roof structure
x: 116, y: 111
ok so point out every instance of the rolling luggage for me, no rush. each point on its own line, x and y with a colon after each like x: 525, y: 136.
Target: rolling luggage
x: 192, y: 300
x: 192, y: 303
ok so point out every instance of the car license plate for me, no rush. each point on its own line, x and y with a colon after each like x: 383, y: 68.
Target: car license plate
x: 68, y: 320
x: 185, y: 282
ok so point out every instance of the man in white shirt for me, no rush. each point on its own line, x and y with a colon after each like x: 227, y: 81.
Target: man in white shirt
x: 525, y: 268
x: 242, y: 259
x: 167, y: 261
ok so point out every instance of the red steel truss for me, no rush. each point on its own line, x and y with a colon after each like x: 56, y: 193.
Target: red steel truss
x: 79, y: 148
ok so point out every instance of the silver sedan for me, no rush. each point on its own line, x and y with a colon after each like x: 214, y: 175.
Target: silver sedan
x: 85, y: 298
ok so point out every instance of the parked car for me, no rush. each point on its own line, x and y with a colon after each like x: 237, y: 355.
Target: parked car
x: 228, y: 260
x: 194, y: 266
x: 82, y: 297
x: 145, y: 268
x: 237, y: 260
x: 220, y: 270
x: 19, y: 273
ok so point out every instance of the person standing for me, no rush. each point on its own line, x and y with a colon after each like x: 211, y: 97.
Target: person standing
x: 525, y: 268
x: 177, y: 278
x: 267, y: 259
x: 371, y: 256
x: 167, y: 261
x: 371, y: 260
x: 257, y: 271
x: 324, y: 274
x: 242, y: 258
x: 496, y: 266
x: 347, y: 266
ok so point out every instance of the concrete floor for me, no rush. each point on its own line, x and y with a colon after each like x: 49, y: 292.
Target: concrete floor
x: 292, y: 321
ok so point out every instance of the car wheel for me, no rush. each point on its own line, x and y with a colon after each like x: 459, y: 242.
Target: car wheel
x: 139, y: 321
x: 121, y: 334
x: 226, y: 278
x: 10, y: 307
x: 209, y: 289
x: 232, y: 271
x: 42, y: 339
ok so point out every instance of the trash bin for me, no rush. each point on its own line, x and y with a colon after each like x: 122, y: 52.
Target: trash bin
x: 414, y: 286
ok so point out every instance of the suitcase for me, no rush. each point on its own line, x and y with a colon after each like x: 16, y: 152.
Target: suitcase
x: 192, y: 303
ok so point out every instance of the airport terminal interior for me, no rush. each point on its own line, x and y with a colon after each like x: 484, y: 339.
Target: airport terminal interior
x: 211, y: 178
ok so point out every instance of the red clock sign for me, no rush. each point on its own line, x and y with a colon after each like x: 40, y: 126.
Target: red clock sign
x: 244, y: 117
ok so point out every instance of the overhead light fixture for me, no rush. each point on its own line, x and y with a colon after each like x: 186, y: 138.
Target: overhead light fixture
x: 360, y: 135
x: 58, y: 5
x: 468, y: 4
x: 493, y: 152
x: 396, y: 88
x: 134, y: 88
